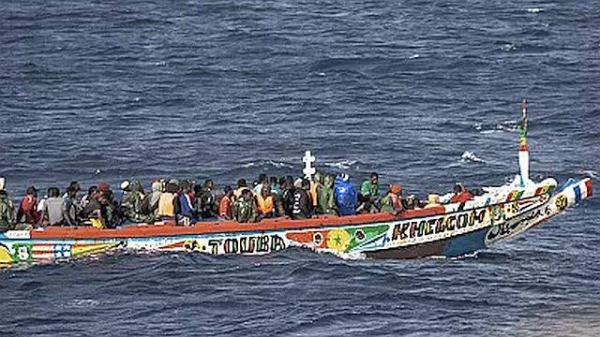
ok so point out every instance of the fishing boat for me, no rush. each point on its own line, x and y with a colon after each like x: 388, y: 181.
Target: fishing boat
x: 445, y: 230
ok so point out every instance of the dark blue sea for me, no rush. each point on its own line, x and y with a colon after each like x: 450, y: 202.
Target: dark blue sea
x: 426, y: 93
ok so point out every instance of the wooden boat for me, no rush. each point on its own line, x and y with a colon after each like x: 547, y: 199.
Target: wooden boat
x: 447, y: 230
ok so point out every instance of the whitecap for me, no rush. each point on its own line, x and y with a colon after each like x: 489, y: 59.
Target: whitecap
x: 469, y: 156
x: 351, y: 256
x: 483, y: 129
x: 508, y: 47
x: 344, y: 164
x: 82, y: 303
x: 508, y: 126
x: 534, y: 10
x: 279, y: 164
x: 267, y: 163
x: 414, y: 56
x: 590, y: 173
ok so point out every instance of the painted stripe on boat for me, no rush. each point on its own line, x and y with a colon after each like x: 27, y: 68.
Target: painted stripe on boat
x: 588, y: 186
x: 577, y: 191
x: 278, y: 224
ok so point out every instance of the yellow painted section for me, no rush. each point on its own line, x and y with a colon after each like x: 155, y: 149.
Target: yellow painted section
x: 5, y: 256
x: 338, y: 239
x: 90, y: 249
x: 96, y: 223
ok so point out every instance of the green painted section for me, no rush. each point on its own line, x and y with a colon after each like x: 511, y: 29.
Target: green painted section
x: 364, y: 234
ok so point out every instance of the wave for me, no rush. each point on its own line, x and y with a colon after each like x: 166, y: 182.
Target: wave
x: 505, y: 126
x: 535, y: 10
x: 508, y: 47
x: 272, y: 163
x: 470, y: 157
x: 344, y: 164
x: 590, y: 173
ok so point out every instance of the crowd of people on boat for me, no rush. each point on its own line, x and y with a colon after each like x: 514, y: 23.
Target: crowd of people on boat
x: 186, y: 202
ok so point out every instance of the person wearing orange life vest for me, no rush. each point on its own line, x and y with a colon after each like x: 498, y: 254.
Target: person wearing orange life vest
x: 265, y: 203
x: 392, y: 201
x: 226, y: 204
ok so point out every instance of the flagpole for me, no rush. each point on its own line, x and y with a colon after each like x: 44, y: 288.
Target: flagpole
x: 523, y: 148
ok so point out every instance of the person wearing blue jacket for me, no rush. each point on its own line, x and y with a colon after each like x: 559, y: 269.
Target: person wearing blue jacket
x: 187, y: 212
x: 345, y: 195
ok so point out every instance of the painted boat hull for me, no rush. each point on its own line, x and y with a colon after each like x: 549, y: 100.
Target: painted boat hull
x: 447, y: 231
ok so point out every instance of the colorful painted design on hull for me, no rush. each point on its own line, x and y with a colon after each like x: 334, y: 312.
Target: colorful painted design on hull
x: 48, y: 251
x: 341, y: 240
x: 441, y: 231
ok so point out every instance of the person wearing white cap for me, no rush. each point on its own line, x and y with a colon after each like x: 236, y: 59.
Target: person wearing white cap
x: 132, y: 200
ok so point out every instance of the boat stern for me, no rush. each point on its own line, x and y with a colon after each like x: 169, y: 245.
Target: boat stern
x: 572, y: 193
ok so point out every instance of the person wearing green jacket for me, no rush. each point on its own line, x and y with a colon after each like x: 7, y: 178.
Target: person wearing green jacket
x: 244, y: 208
x: 131, y: 206
x: 326, y: 199
x: 6, y: 211
x: 369, y: 191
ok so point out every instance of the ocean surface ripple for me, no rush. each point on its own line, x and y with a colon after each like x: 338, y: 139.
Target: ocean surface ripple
x: 424, y: 92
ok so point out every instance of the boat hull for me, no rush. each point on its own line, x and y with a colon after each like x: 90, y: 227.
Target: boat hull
x: 447, y: 231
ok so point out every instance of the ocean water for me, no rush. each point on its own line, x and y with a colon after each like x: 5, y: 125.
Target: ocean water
x: 426, y: 93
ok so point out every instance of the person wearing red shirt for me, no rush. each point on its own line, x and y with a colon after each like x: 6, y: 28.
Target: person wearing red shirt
x: 460, y: 194
x: 27, y: 212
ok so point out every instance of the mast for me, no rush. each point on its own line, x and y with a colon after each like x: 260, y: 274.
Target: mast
x: 523, y: 149
x: 308, y: 170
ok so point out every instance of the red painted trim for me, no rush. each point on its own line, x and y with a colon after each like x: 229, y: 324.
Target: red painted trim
x: 588, y: 186
x: 224, y: 227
